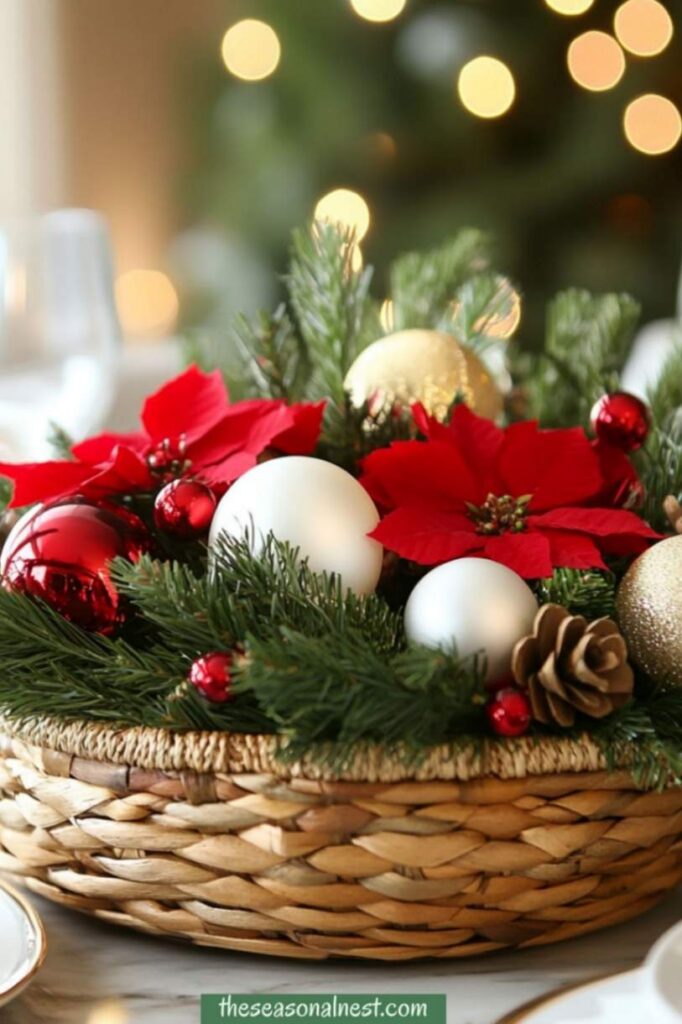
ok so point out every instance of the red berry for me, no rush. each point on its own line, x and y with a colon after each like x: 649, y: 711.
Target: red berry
x: 622, y: 420
x: 509, y: 712
x: 184, y: 508
x: 211, y: 675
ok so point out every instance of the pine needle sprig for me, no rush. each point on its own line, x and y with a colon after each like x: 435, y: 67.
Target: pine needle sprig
x: 583, y: 592
x: 273, y: 357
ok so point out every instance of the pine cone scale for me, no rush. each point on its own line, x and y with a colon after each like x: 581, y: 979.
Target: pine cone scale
x: 569, y: 666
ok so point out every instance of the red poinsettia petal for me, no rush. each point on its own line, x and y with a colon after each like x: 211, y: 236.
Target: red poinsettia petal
x: 574, y: 550
x: 190, y: 405
x: 126, y: 472
x: 414, y: 473
x: 427, y: 537
x: 599, y: 522
x: 526, y: 553
x: 479, y: 439
x: 556, y: 467
x: 101, y: 448
x: 44, y: 481
x: 620, y: 480
x: 246, y: 426
x: 221, y: 474
x: 302, y: 437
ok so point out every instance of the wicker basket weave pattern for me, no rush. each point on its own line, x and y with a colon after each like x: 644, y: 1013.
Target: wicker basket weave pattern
x: 282, y: 863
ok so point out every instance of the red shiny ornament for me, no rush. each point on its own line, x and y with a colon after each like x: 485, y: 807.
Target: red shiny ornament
x: 509, y: 712
x: 184, y: 508
x: 622, y: 420
x: 211, y: 675
x: 60, y: 553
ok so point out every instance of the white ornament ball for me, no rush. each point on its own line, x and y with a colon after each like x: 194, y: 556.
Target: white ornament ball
x: 315, y: 506
x: 472, y: 605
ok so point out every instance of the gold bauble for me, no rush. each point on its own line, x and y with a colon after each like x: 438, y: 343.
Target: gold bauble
x: 649, y: 605
x: 421, y: 366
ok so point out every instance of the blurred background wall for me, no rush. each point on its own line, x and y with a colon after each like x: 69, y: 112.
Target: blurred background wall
x: 204, y: 149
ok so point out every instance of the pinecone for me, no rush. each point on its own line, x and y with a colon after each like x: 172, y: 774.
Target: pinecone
x: 568, y: 665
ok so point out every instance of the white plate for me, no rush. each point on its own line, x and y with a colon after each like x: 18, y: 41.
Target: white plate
x: 618, y: 999
x: 22, y: 943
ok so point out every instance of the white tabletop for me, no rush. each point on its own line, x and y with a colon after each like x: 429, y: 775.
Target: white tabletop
x: 97, y: 974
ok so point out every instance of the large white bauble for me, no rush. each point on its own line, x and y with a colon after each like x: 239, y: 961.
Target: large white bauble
x: 472, y: 605
x: 315, y: 506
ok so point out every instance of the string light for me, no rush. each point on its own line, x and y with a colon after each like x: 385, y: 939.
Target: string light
x: 569, y: 7
x: 378, y: 10
x: 147, y: 302
x: 643, y: 27
x: 486, y: 87
x: 596, y: 61
x: 251, y: 49
x: 346, y: 207
x: 652, y: 124
x: 386, y: 315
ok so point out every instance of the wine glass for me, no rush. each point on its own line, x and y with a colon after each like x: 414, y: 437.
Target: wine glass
x: 59, y: 331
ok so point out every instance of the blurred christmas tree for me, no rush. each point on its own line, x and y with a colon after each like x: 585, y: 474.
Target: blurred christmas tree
x: 375, y: 107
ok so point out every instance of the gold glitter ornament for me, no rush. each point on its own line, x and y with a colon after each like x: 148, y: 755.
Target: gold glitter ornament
x: 649, y: 606
x: 424, y: 366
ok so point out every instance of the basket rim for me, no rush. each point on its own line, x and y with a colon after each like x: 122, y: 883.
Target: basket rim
x: 216, y: 752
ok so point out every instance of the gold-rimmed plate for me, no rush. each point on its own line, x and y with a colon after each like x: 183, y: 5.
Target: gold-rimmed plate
x: 597, y: 1001
x: 22, y: 943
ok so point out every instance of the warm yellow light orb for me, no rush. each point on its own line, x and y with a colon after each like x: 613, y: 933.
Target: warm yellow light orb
x: 346, y: 207
x: 378, y: 10
x: 643, y: 27
x: 596, y: 61
x: 486, y: 87
x: 251, y: 49
x: 652, y: 124
x: 386, y: 315
x: 147, y: 303
x: 570, y: 7
x: 110, y: 1011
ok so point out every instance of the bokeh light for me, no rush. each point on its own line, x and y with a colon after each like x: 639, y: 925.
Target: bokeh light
x: 251, y: 49
x: 596, y: 61
x: 378, y: 10
x: 505, y: 319
x: 652, y: 124
x: 570, y: 7
x: 147, y: 303
x: 486, y: 87
x: 643, y: 27
x: 346, y: 207
x: 386, y: 315
x: 109, y: 1011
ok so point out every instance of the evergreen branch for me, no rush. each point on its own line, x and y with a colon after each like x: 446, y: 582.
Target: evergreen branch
x: 588, y: 339
x: 331, y: 303
x: 665, y: 397
x: 423, y: 285
x: 659, y: 464
x: 583, y: 592
x: 60, y: 442
x: 273, y: 357
x: 480, y: 301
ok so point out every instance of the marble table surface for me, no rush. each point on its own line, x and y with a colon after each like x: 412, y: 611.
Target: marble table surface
x: 96, y: 974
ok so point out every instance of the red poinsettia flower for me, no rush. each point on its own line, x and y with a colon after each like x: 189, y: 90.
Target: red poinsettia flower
x: 521, y: 496
x: 188, y: 428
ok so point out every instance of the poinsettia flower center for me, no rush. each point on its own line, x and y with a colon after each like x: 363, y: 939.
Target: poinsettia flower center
x: 168, y: 458
x: 500, y: 514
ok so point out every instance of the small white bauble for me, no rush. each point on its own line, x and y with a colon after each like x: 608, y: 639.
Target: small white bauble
x: 315, y: 506
x: 472, y: 605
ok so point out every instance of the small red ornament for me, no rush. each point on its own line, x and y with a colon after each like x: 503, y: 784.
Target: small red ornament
x: 509, y: 712
x: 184, y: 508
x: 60, y: 553
x: 211, y: 675
x: 622, y: 420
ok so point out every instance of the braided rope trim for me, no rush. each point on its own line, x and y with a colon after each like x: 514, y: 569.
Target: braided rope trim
x: 208, y: 752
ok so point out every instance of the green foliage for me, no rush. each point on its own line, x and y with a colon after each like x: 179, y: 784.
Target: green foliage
x: 423, y: 285
x: 60, y: 442
x: 665, y: 398
x: 583, y: 592
x: 587, y: 342
x: 659, y: 463
x: 650, y: 733
x: 332, y: 305
x: 274, y: 357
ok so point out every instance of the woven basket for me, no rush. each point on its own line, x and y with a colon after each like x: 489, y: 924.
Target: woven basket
x: 208, y: 837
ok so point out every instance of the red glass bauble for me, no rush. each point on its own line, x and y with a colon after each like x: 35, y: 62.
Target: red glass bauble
x: 211, y: 675
x: 184, y: 508
x: 621, y: 419
x: 60, y: 553
x: 509, y: 712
